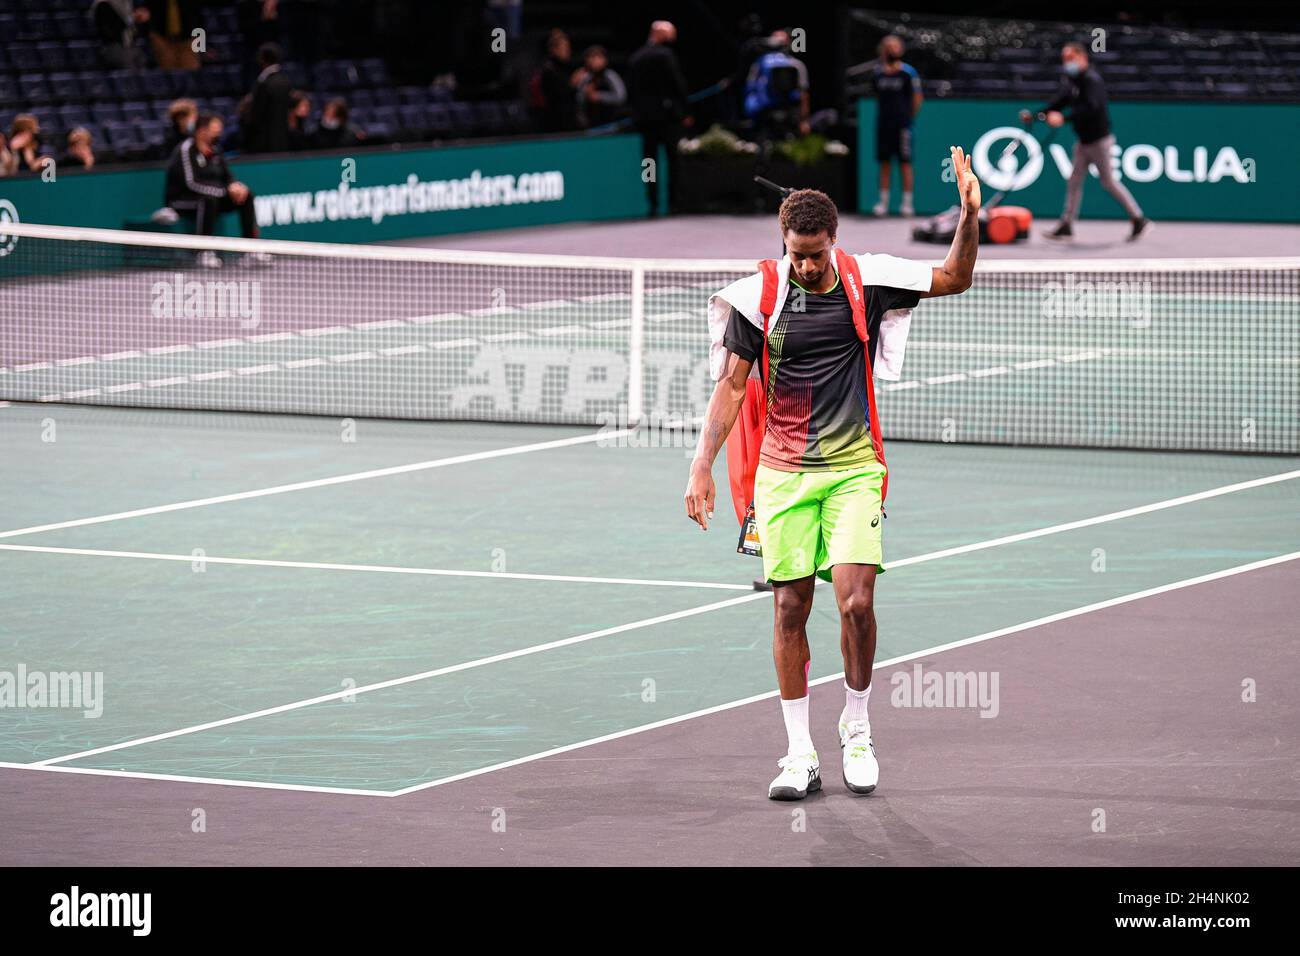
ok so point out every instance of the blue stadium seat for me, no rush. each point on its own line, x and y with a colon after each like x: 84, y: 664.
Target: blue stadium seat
x: 73, y: 116
x: 491, y: 119
x: 38, y: 24
x: 83, y: 54
x: 463, y: 118
x: 105, y: 113
x: 94, y: 85
x: 66, y: 86
x: 125, y: 140
x: 373, y: 72
x: 54, y: 56
x: 127, y: 84
x: 34, y: 88
x: 72, y: 26
x: 24, y: 57
x: 439, y: 120
x: 413, y: 120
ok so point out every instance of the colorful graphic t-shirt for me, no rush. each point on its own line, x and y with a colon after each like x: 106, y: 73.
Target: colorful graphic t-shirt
x: 817, y: 418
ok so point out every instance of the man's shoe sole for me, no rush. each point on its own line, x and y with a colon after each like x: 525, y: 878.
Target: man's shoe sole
x: 862, y: 790
x: 790, y: 793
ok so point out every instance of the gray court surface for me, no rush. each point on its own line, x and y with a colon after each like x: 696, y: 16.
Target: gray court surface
x: 1123, y: 741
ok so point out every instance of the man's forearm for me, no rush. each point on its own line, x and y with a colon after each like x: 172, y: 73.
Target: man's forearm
x: 719, y: 417
x: 960, y: 263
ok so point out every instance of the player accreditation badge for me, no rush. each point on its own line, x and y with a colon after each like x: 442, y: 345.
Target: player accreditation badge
x: 749, y: 543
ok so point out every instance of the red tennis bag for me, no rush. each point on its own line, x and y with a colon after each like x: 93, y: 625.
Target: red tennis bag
x: 746, y: 438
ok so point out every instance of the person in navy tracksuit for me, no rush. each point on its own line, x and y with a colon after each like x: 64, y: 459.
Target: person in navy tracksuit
x: 898, y: 100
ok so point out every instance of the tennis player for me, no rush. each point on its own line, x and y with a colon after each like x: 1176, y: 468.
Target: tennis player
x: 821, y: 479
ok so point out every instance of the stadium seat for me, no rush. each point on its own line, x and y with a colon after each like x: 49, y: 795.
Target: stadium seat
x: 439, y: 120
x: 83, y: 55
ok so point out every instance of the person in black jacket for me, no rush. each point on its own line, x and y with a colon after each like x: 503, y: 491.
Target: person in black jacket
x: 552, y: 94
x: 334, y: 131
x: 200, y: 186
x: 1084, y: 94
x: 267, y: 129
x: 657, y: 94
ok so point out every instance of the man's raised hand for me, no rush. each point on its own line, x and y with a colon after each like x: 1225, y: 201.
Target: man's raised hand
x: 968, y: 186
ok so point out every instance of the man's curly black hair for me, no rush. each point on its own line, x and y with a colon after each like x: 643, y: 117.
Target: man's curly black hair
x: 808, y: 212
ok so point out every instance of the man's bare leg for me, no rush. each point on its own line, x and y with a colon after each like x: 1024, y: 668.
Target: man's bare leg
x: 855, y: 586
x: 793, y: 604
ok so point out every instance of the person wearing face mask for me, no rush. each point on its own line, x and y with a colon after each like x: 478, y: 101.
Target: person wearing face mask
x: 1084, y: 94
x: 180, y: 123
x: 334, y: 131
x: 898, y: 100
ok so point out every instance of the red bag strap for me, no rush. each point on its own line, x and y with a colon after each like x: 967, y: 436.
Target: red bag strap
x: 852, y: 279
x: 766, y: 306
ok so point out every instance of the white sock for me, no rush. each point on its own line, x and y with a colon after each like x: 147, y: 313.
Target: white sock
x: 855, y: 703
x: 795, y: 713
x: 907, y: 199
x: 884, y: 197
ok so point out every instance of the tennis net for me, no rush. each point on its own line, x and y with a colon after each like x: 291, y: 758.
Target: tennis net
x: 1166, y: 354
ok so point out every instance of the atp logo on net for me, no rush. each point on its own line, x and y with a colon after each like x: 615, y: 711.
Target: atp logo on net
x: 1139, y: 162
x: 7, y: 214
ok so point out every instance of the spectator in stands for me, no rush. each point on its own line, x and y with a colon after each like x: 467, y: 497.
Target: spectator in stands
x: 657, y: 93
x: 201, y: 187
x: 171, y: 32
x: 22, y: 154
x: 180, y: 123
x: 299, y: 115
x: 897, y: 86
x: 267, y: 128
x: 601, y: 93
x: 115, y: 23
x: 80, y: 150
x: 1084, y: 94
x: 334, y: 131
x: 549, y: 88
x: 776, y: 91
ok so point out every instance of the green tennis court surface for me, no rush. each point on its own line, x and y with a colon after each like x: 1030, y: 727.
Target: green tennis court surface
x: 488, y: 601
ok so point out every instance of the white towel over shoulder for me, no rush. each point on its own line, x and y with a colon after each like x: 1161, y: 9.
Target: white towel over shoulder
x: 878, y: 270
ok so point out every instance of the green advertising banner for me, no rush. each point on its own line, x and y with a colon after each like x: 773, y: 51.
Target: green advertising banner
x: 371, y: 195
x: 1194, y: 161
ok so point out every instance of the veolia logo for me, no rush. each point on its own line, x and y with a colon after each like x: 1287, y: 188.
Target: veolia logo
x: 1008, y: 174
x: 1140, y: 162
x: 7, y: 214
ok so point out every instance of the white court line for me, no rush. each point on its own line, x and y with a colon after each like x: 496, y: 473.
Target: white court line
x: 48, y: 767
x: 381, y: 568
x: 322, y: 482
x: 538, y: 648
x: 210, y: 781
x: 1099, y: 519
x: 879, y: 665
x: 412, y: 678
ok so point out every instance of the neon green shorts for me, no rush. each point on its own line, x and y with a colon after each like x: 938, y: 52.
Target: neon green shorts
x: 810, y: 521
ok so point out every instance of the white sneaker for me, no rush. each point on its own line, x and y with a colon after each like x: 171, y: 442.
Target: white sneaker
x: 262, y: 259
x: 209, y: 259
x: 861, y: 771
x: 906, y: 209
x: 800, y: 775
x: 880, y: 209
